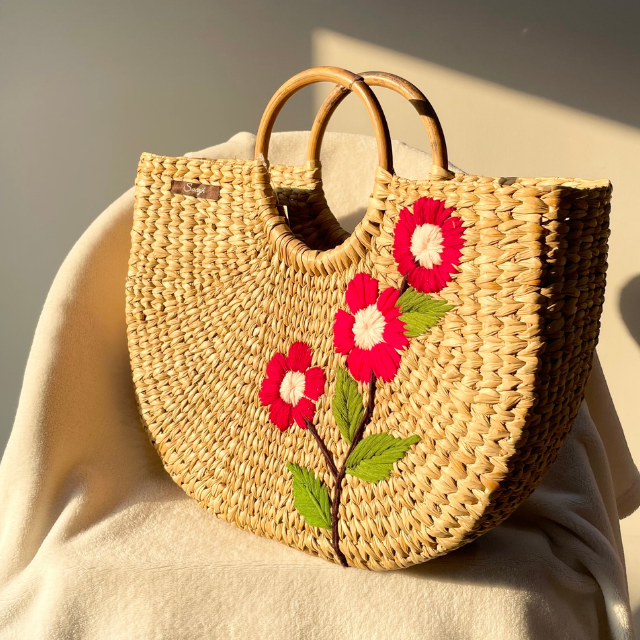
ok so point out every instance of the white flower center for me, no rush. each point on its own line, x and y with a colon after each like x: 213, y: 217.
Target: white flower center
x: 292, y: 387
x: 368, y: 329
x: 426, y: 245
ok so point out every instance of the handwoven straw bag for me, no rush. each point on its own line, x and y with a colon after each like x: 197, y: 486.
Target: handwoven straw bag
x: 375, y: 399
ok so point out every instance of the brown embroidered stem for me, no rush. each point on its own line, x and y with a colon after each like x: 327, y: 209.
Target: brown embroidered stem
x: 323, y: 448
x: 337, y: 491
x: 404, y: 285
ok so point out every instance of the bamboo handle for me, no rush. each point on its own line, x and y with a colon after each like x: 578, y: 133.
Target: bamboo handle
x: 348, y: 82
x: 404, y: 88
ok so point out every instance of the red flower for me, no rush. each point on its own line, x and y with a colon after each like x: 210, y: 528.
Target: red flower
x: 290, y: 387
x: 427, y: 244
x: 373, y: 336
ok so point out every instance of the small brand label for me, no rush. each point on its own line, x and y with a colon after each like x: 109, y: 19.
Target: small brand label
x: 195, y: 189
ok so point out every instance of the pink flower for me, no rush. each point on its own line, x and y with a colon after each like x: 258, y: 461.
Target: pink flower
x: 291, y: 386
x: 373, y: 337
x: 427, y: 244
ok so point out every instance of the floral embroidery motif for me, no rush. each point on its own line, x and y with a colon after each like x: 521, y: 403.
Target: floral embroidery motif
x: 372, y: 336
x: 291, y: 387
x: 427, y: 244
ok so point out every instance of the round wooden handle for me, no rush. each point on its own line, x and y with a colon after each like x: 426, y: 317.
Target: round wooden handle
x: 348, y: 82
x: 401, y: 86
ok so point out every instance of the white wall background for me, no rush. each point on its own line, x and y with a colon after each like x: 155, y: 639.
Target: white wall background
x: 530, y: 88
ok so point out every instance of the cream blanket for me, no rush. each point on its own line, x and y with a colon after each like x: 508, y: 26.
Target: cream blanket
x: 97, y: 542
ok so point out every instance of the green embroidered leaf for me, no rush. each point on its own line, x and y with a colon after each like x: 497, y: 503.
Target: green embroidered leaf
x: 420, y: 312
x: 418, y: 323
x: 347, y: 405
x: 374, y: 457
x: 310, y: 497
x: 411, y: 301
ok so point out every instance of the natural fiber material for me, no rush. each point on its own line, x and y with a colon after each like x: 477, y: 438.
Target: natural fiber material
x: 215, y: 290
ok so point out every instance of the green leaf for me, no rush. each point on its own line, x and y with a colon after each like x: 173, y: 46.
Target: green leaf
x: 348, y: 408
x: 374, y: 457
x: 420, y: 312
x: 418, y: 323
x: 413, y: 302
x: 310, y: 497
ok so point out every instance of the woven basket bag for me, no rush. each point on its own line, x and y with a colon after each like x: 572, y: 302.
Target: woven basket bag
x: 379, y: 398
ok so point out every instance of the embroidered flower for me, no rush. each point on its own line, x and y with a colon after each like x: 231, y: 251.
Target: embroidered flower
x: 291, y: 386
x: 372, y: 335
x: 427, y: 244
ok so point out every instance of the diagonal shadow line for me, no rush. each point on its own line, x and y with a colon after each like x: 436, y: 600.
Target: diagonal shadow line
x: 541, y: 58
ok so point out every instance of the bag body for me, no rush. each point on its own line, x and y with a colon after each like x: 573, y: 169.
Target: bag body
x: 280, y: 362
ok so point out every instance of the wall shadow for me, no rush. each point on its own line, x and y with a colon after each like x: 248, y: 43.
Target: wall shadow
x: 630, y: 306
x: 518, y: 48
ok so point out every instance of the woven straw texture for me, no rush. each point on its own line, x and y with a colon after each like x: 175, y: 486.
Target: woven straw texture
x: 216, y: 288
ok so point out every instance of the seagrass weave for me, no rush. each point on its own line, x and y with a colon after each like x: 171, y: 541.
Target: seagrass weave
x: 217, y: 287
